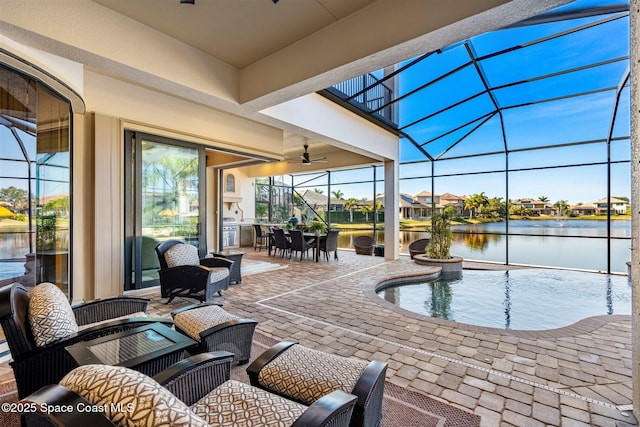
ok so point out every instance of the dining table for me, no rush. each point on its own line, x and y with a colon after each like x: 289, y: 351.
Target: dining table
x: 307, y: 236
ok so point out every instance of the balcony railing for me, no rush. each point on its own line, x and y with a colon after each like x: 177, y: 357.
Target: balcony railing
x: 370, y: 95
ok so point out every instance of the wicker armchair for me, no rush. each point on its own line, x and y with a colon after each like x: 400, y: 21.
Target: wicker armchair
x: 35, y: 366
x: 195, y: 392
x: 303, y: 374
x: 183, y: 274
x: 364, y: 245
x: 418, y: 247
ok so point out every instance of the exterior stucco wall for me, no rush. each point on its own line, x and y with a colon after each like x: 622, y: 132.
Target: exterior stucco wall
x: 116, y: 106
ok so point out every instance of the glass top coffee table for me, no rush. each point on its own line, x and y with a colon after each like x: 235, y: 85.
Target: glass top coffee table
x: 148, y: 349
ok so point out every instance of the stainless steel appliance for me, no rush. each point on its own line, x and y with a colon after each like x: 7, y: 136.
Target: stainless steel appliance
x: 230, y: 233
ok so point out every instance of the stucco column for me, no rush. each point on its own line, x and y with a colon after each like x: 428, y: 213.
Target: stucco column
x: 391, y: 209
x: 635, y: 202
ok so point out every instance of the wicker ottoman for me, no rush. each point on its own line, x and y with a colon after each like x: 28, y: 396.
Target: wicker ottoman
x: 216, y: 329
x: 304, y: 375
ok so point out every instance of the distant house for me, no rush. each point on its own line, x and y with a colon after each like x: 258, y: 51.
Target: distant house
x: 535, y: 207
x: 618, y: 206
x: 457, y: 202
x: 318, y: 201
x: 428, y: 199
x: 412, y: 208
x: 582, y: 210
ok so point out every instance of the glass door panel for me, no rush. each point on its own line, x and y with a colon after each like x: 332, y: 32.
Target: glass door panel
x: 166, y: 177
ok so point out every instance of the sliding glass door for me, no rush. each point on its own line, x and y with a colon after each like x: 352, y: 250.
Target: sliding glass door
x: 165, y: 193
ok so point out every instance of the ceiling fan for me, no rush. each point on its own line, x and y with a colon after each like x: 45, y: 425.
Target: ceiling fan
x: 306, y: 158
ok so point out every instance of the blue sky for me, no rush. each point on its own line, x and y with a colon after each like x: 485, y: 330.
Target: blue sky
x: 527, y: 124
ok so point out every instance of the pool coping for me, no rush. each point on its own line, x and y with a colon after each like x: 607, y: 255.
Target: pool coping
x: 584, y: 326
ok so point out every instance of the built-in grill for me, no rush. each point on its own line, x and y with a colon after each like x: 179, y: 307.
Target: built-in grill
x: 230, y: 233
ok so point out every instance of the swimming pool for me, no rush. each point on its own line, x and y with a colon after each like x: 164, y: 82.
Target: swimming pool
x: 527, y: 299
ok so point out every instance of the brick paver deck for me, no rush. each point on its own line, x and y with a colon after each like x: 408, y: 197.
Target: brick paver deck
x: 573, y: 376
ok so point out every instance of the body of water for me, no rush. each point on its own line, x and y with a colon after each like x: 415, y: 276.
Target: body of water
x: 579, y: 244
x: 552, y: 243
x: 527, y: 299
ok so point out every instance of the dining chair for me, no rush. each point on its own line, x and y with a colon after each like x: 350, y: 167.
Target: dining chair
x: 330, y: 243
x: 299, y: 244
x: 261, y: 239
x: 282, y: 243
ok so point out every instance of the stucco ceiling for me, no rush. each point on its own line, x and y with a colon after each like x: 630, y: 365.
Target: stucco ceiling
x: 239, y: 32
x: 282, y: 51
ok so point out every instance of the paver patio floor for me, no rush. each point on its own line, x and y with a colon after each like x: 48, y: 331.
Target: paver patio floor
x: 574, y: 376
x: 577, y: 375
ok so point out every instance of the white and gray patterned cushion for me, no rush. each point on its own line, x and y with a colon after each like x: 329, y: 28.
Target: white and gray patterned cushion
x: 126, y: 316
x: 218, y: 273
x: 181, y: 254
x: 235, y: 404
x: 143, y: 401
x: 50, y: 314
x: 196, y: 320
x: 306, y: 375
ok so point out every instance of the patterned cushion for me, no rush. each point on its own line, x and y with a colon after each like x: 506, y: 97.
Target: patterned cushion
x: 306, y: 375
x: 196, y: 320
x: 235, y: 404
x: 50, y: 314
x: 218, y: 273
x: 143, y: 401
x: 181, y: 254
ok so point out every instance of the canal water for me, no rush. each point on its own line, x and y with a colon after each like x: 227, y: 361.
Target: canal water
x: 579, y: 244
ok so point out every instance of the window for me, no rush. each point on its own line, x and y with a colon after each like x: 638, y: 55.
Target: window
x: 230, y: 184
x: 35, y: 178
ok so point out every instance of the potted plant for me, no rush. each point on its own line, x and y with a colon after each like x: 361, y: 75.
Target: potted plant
x: 440, y: 243
x: 316, y: 226
x: 437, y: 252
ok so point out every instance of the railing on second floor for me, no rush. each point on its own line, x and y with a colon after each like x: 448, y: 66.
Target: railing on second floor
x: 369, y: 94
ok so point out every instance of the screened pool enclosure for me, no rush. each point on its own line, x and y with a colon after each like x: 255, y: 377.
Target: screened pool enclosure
x: 524, y: 131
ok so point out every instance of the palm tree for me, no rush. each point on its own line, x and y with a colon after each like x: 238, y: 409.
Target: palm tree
x: 476, y: 202
x: 349, y: 205
x: 365, y: 210
x: 543, y: 199
x: 338, y: 194
x: 561, y: 207
x: 377, y: 206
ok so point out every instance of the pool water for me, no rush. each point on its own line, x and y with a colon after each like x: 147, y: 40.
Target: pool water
x: 527, y: 299
x: 11, y: 269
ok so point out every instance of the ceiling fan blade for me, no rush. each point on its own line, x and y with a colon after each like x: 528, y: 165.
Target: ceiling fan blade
x: 319, y: 160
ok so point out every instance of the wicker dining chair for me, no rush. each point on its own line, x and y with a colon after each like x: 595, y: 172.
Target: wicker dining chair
x: 299, y: 244
x: 329, y: 244
x: 261, y: 238
x: 281, y: 242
